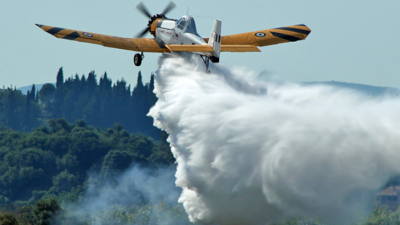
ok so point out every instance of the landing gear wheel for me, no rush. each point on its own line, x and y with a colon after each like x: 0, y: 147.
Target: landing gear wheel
x: 137, y: 59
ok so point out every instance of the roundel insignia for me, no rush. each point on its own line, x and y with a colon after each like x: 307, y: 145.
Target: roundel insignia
x: 87, y: 34
x: 260, y: 34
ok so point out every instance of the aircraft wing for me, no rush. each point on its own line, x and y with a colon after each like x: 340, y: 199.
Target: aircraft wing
x: 133, y: 44
x: 248, y: 42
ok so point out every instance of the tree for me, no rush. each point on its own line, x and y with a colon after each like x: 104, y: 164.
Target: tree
x: 28, y: 112
x: 59, y: 95
x: 43, y: 212
x: 32, y: 93
x: 60, y: 79
x: 152, y: 96
x: 7, y: 218
x: 116, y: 161
x: 65, y: 181
x: 46, y: 93
x: 12, y: 115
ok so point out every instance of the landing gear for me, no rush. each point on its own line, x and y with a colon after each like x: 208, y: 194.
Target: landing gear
x: 137, y: 59
x: 206, y: 61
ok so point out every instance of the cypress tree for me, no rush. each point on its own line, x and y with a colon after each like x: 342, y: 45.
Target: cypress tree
x: 152, y: 98
x: 11, y: 108
x: 91, y: 83
x: 27, y: 117
x: 32, y: 93
x: 138, y: 90
x: 59, y: 96
x: 60, y: 79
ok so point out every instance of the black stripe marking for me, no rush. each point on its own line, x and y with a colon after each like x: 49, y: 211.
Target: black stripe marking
x: 72, y: 36
x: 306, y: 32
x: 285, y: 36
x: 55, y: 30
x: 39, y: 25
x: 303, y: 25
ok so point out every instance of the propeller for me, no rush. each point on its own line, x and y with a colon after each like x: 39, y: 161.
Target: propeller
x: 171, y: 5
x: 143, y: 9
x: 143, y: 32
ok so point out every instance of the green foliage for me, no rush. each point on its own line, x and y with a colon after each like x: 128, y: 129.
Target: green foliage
x: 43, y: 212
x: 117, y: 161
x: 159, y: 213
x: 101, y: 104
x: 65, y: 181
x: 47, y: 93
x: 18, y: 111
x: 56, y: 160
x: 7, y: 218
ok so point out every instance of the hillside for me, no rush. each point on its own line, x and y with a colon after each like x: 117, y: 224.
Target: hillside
x: 363, y: 88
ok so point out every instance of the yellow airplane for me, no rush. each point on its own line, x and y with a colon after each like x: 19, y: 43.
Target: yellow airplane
x: 172, y: 35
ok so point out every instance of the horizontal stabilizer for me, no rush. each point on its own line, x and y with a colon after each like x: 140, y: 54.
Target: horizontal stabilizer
x: 239, y: 48
x: 189, y: 48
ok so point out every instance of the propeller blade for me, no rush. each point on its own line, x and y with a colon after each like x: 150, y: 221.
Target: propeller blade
x: 169, y: 7
x: 141, y: 34
x: 142, y: 8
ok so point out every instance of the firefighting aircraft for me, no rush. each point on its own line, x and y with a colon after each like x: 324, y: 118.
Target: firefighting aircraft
x: 172, y: 35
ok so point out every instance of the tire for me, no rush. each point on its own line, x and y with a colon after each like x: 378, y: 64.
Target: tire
x: 137, y: 59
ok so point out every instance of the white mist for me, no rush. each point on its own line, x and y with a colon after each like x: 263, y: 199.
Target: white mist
x: 253, y: 152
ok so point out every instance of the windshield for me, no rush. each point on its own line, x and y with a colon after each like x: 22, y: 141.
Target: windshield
x: 191, y: 27
x: 181, y: 23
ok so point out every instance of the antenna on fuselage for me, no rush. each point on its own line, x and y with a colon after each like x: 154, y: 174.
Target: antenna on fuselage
x: 187, y: 13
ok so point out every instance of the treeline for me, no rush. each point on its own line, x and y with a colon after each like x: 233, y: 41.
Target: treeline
x: 18, y: 111
x: 55, y: 161
x: 49, y: 211
x: 100, y: 104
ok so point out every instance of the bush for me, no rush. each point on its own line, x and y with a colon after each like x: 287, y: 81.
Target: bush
x: 7, y: 218
x: 43, y: 212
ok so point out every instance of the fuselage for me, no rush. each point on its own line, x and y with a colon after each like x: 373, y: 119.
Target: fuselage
x: 180, y: 32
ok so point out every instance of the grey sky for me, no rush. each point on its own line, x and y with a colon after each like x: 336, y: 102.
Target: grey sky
x: 351, y: 41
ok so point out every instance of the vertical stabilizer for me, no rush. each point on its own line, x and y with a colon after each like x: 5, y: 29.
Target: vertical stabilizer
x: 215, y: 41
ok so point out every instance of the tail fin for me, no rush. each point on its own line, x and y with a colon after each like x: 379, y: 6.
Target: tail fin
x: 215, y: 41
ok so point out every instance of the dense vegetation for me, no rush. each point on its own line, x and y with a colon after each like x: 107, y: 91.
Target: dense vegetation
x: 42, y: 168
x: 101, y: 104
x: 49, y: 161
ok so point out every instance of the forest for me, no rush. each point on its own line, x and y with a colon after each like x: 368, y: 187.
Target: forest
x: 54, y: 139
x: 100, y: 104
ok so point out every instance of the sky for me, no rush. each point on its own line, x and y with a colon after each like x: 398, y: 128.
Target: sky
x: 351, y: 41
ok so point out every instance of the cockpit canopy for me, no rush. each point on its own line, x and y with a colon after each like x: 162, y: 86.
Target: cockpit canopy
x: 187, y: 25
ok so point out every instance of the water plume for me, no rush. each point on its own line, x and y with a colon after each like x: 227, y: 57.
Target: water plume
x: 250, y: 151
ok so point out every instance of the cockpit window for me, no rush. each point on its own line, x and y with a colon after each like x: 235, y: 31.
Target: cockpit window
x: 168, y: 24
x: 191, y: 27
x: 181, y: 23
